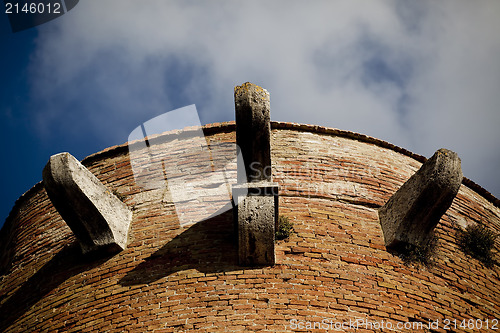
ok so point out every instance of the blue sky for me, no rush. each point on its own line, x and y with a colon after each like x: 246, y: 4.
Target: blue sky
x: 419, y: 74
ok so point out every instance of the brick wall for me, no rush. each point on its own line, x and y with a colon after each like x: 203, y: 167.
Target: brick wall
x: 186, y: 278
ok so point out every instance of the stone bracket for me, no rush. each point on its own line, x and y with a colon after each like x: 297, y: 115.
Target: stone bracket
x: 256, y: 219
x: 255, y: 196
x: 253, y: 132
x: 412, y: 213
x: 99, y: 220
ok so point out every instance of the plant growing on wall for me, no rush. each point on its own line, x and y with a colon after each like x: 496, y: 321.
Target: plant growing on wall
x: 119, y: 195
x: 419, y: 253
x: 284, y: 229
x: 478, y: 242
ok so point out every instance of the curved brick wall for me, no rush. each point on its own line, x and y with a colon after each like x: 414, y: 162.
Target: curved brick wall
x: 171, y: 278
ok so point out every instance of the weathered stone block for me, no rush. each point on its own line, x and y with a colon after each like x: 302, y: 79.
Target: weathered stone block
x: 96, y: 216
x: 411, y: 214
x: 253, y: 132
x: 256, y: 214
x: 256, y: 219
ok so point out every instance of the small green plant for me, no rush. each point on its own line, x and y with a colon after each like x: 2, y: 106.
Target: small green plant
x: 119, y: 195
x: 478, y: 241
x: 422, y: 253
x: 284, y: 227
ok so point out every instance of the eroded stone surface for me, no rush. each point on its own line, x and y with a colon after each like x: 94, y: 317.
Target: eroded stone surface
x: 256, y: 197
x: 411, y: 214
x: 256, y: 222
x: 97, y: 217
x: 253, y: 132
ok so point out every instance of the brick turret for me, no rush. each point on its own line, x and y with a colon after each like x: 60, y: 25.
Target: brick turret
x: 333, y: 268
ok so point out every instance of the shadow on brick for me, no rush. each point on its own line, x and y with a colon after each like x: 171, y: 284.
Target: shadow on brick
x: 68, y: 262
x: 208, y: 246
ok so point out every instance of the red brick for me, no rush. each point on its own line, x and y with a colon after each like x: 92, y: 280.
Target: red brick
x: 333, y: 265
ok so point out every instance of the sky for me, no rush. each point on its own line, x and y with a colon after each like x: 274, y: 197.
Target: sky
x: 422, y: 75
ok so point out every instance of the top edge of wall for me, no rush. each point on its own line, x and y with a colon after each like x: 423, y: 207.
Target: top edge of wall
x: 231, y: 126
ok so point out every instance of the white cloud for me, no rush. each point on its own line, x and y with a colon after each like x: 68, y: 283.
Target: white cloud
x: 419, y: 74
x: 457, y: 102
